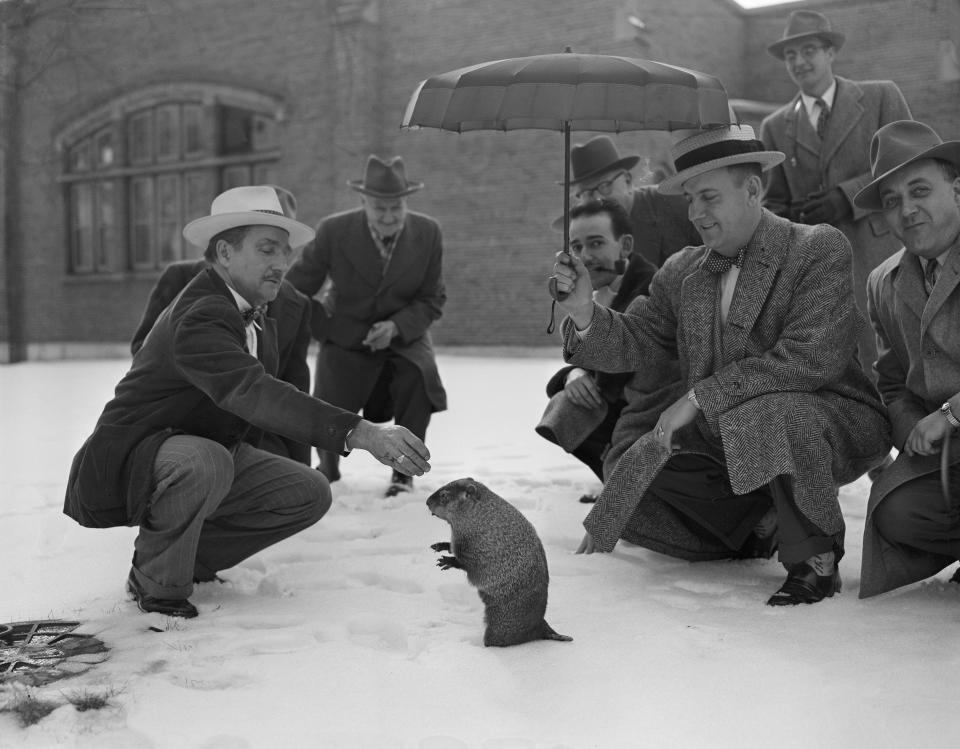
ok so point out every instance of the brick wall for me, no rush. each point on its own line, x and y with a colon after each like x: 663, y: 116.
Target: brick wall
x: 345, y: 71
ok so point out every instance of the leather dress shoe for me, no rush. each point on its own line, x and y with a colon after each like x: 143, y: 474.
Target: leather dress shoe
x: 399, y: 482
x: 168, y: 606
x: 804, y: 585
x: 956, y: 576
x: 588, y: 499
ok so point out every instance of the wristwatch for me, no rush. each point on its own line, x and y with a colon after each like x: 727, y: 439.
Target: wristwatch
x: 948, y: 415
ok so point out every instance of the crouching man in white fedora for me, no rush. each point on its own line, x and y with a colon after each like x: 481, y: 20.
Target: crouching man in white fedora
x: 777, y: 412
x: 175, y: 451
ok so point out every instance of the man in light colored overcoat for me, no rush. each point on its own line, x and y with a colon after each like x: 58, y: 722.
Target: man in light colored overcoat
x: 825, y: 166
x: 912, y: 529
x: 776, y: 411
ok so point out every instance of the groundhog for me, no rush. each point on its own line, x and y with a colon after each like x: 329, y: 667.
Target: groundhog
x: 503, y: 558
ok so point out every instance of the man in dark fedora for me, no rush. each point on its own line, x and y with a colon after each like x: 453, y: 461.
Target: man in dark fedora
x: 175, y: 451
x: 825, y: 132
x: 384, y: 263
x: 659, y: 222
x: 775, y: 412
x: 912, y: 529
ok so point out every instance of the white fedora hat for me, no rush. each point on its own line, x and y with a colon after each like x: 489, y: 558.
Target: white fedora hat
x: 706, y: 150
x: 257, y: 205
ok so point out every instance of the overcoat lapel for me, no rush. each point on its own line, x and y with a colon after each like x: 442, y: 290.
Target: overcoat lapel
x: 753, y: 287
x: 948, y: 281
x: 799, y: 130
x: 699, y: 305
x: 909, y: 284
x: 365, y: 257
x: 401, y: 258
x: 846, y: 113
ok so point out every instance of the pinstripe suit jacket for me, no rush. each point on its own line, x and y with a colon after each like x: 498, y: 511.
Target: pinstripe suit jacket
x: 918, y: 369
x: 787, y: 394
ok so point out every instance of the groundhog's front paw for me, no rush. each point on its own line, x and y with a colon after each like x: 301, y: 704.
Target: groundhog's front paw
x: 441, y: 546
x: 445, y: 563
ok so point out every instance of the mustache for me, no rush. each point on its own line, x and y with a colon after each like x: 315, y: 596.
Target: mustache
x: 619, y: 266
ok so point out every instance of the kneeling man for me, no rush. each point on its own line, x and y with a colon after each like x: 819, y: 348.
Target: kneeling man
x: 777, y: 411
x: 912, y: 529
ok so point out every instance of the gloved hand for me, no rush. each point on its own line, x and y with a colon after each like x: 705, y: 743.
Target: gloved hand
x: 825, y: 207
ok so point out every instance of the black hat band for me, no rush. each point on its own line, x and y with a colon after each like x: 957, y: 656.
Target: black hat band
x: 715, y: 151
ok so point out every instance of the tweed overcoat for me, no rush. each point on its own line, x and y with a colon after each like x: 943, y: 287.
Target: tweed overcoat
x: 193, y: 375
x: 787, y: 396
x: 918, y: 369
x: 290, y: 309
x: 411, y: 293
x: 841, y: 159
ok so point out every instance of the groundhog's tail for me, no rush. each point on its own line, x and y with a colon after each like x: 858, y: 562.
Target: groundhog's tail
x: 549, y: 634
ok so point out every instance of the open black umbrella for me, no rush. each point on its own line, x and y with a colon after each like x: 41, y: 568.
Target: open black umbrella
x: 568, y: 91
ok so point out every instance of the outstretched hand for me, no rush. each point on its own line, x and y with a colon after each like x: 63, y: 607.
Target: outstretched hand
x: 392, y: 445
x: 927, y: 435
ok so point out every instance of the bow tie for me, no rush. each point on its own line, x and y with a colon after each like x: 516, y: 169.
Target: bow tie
x: 720, y: 264
x: 254, y: 315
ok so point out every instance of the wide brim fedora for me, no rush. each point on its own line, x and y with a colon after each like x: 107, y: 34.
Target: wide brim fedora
x: 806, y: 24
x: 896, y: 145
x: 715, y: 148
x: 596, y: 156
x: 256, y: 205
x: 385, y: 179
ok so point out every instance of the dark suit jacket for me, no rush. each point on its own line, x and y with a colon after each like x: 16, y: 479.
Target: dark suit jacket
x: 290, y: 309
x: 841, y: 159
x: 918, y: 368
x: 193, y: 375
x: 661, y: 224
x: 411, y: 293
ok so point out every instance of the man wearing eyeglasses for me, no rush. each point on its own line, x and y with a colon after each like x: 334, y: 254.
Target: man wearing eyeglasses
x: 825, y: 132
x: 660, y: 225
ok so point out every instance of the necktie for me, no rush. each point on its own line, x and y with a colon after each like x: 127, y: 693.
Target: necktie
x: 930, y: 275
x: 822, y: 117
x: 720, y: 264
x: 254, y: 315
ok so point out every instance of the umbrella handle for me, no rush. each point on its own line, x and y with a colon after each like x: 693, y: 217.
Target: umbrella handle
x: 555, y: 293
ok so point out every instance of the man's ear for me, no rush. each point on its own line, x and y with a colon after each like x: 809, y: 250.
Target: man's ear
x: 224, y: 251
x: 754, y: 187
x: 956, y: 191
x: 626, y: 245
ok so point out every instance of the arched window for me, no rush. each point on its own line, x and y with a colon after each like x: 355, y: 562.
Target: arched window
x: 138, y: 168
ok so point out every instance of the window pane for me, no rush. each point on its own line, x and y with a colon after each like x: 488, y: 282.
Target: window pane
x: 169, y: 225
x: 80, y: 160
x: 200, y: 190
x: 141, y: 222
x: 168, y: 132
x: 81, y: 226
x: 106, y: 224
x: 236, y: 130
x: 235, y: 176
x: 106, y: 153
x: 194, y: 140
x: 140, y: 138
x: 264, y: 133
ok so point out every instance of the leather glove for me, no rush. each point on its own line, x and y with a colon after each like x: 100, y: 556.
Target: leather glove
x: 825, y: 207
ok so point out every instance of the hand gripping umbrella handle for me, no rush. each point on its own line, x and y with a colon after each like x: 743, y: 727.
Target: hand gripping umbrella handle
x: 555, y: 293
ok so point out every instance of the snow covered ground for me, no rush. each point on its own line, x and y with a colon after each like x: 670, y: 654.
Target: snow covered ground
x: 348, y: 635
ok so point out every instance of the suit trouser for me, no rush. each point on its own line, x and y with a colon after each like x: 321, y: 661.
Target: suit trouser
x: 401, y: 377
x: 916, y: 515
x: 698, y: 487
x: 211, y: 508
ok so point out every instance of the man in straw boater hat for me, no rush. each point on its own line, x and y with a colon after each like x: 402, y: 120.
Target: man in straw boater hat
x: 175, y: 451
x: 777, y: 412
x: 825, y: 132
x: 912, y: 529
x: 289, y: 308
x: 384, y: 263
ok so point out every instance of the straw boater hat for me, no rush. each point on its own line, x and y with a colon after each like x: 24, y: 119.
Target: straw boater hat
x: 706, y: 150
x: 257, y: 205
x: 385, y: 179
x: 806, y: 24
x: 894, y: 146
x: 596, y: 156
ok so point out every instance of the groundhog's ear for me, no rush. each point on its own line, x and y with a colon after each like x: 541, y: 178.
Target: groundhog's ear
x: 471, y: 489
